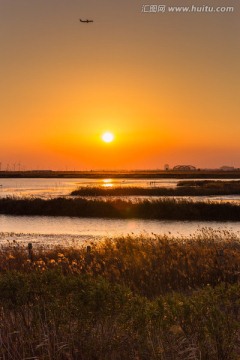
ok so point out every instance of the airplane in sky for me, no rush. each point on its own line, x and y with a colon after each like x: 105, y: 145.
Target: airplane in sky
x: 86, y: 21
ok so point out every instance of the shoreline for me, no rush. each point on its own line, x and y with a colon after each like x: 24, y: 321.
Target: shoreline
x: 138, y: 174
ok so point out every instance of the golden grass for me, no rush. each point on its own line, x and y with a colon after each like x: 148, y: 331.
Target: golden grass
x: 150, y: 265
x: 131, y: 298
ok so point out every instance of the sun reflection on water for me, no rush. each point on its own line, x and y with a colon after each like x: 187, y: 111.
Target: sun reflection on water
x: 107, y: 183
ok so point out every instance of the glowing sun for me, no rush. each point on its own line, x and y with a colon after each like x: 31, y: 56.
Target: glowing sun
x: 107, y: 137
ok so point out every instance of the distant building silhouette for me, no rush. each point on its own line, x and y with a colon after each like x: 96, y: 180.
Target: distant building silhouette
x: 184, y: 168
x: 227, y: 168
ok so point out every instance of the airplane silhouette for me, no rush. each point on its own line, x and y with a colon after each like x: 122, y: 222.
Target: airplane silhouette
x: 86, y: 21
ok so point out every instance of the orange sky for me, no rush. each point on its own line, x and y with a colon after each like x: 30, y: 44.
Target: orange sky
x: 167, y: 85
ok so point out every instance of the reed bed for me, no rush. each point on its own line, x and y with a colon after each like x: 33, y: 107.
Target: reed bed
x: 129, y: 298
x: 162, y: 209
x: 227, y: 184
x: 149, y: 265
x: 184, y: 188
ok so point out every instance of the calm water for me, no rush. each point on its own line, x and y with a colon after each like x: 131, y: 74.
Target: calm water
x: 46, y: 188
x: 56, y: 230
x: 61, y: 230
x: 63, y: 187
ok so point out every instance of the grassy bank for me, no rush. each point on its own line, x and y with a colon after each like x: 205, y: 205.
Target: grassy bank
x: 170, y: 209
x: 149, y: 266
x: 128, y: 298
x: 184, y: 188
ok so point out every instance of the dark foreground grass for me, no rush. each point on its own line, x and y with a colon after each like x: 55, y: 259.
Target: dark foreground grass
x: 128, y: 298
x: 170, y: 209
x: 184, y: 188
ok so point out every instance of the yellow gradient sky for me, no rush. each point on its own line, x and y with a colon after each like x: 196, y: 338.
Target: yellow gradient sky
x: 167, y: 85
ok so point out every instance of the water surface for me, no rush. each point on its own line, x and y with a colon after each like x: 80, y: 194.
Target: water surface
x: 48, y: 188
x: 61, y: 230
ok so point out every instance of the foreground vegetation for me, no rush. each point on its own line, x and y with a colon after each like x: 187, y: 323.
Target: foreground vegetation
x: 126, y: 298
x: 170, y: 209
x: 184, y: 188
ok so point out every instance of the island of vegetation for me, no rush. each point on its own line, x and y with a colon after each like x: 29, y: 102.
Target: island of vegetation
x: 184, y: 188
x: 161, y: 209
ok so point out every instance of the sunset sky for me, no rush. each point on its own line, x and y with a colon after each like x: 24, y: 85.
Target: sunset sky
x: 167, y: 85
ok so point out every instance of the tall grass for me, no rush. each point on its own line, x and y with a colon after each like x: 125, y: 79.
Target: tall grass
x: 126, y: 298
x: 171, y: 209
x: 149, y: 266
x: 184, y: 188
